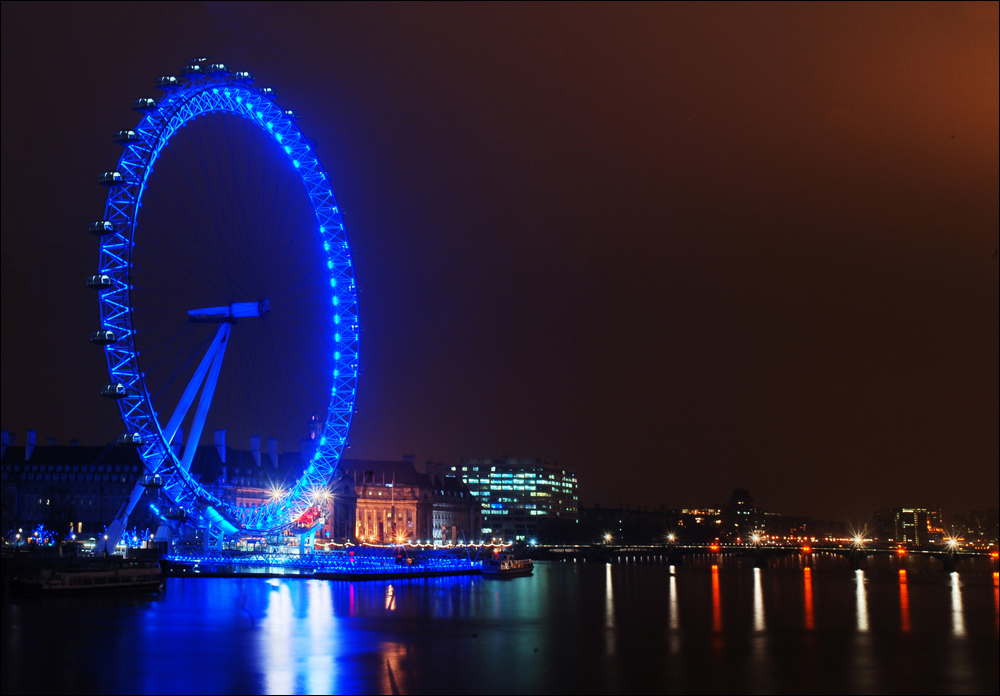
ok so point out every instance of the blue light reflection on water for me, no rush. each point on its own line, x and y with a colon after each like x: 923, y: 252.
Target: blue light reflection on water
x: 569, y: 628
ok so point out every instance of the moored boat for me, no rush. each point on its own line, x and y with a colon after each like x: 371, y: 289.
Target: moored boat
x: 93, y: 577
x: 505, y: 565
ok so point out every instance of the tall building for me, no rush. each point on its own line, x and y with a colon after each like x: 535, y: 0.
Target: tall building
x: 740, y: 517
x: 518, y: 495
x: 911, y: 525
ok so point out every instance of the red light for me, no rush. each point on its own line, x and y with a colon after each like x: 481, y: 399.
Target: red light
x: 995, y: 554
x: 714, y: 547
x: 901, y: 551
x: 807, y: 549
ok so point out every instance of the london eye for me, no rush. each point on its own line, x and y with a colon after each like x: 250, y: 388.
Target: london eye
x: 227, y: 297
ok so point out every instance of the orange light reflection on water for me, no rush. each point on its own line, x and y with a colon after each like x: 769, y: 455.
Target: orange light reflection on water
x: 716, y: 601
x: 904, y: 603
x: 810, y: 624
x: 996, y: 598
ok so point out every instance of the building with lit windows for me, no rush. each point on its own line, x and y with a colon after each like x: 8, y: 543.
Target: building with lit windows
x: 518, y: 495
x: 911, y: 525
x: 740, y: 517
x: 68, y: 487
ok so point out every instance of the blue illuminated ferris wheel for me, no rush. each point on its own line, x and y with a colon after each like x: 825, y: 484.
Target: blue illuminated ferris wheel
x: 227, y: 294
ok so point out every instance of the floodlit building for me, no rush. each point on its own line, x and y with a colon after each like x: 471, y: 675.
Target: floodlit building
x: 81, y: 489
x: 395, y: 502
x: 250, y: 478
x: 518, y: 495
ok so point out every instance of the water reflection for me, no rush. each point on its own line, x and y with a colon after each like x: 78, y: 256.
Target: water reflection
x: 609, y: 613
x: 553, y: 632
x: 862, y: 600
x: 957, y: 616
x: 716, y: 601
x: 319, y: 621
x: 674, y: 608
x: 904, y: 603
x: 275, y: 644
x: 758, y: 602
x: 996, y: 598
x: 810, y: 624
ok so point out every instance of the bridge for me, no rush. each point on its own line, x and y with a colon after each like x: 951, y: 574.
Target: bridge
x: 761, y: 555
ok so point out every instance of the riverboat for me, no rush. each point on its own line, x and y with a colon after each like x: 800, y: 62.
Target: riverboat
x: 505, y: 565
x: 93, y: 577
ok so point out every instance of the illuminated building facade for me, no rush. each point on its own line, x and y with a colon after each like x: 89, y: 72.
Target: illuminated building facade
x: 397, y: 503
x: 247, y: 479
x: 519, y: 494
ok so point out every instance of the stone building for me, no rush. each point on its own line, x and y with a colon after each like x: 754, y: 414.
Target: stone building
x: 68, y: 487
x: 398, y: 503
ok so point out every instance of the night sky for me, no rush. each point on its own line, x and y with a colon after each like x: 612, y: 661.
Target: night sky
x: 678, y: 248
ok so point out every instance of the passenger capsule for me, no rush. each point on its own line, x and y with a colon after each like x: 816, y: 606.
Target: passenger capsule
x: 110, y: 178
x: 100, y: 282
x: 116, y: 390
x: 243, y: 76
x: 102, y: 227
x: 191, y: 70
x: 291, y: 114
x: 267, y: 92
x: 130, y: 439
x: 125, y: 137
x: 154, y: 481
x: 218, y: 69
x: 103, y: 337
x: 168, y: 82
x: 198, y: 59
x: 144, y: 104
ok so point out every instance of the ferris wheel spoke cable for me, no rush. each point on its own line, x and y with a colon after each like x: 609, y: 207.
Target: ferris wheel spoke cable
x: 160, y: 251
x: 180, y: 370
x: 294, y: 375
x: 192, y: 200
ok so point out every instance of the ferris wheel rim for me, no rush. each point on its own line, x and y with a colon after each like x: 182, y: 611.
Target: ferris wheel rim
x: 218, y: 92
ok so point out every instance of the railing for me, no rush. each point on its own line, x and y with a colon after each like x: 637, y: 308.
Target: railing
x: 353, y: 562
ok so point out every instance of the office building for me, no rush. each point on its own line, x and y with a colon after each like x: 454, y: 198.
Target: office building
x: 519, y: 495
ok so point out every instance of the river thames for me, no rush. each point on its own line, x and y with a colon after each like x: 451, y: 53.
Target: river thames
x: 569, y: 628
